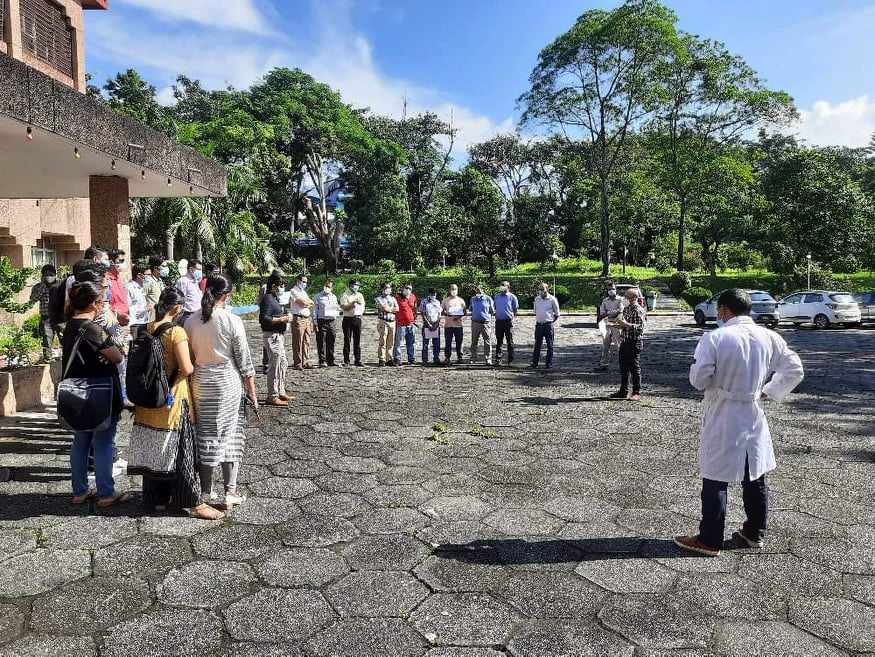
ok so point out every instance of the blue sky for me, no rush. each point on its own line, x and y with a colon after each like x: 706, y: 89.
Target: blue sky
x: 472, y: 58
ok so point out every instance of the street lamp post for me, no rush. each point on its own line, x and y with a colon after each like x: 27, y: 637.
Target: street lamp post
x: 809, y: 270
x: 555, y: 259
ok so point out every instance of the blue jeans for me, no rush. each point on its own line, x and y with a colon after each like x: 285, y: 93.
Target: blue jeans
x: 408, y: 334
x: 435, y: 348
x: 755, y: 495
x: 103, y: 443
x: 543, y: 332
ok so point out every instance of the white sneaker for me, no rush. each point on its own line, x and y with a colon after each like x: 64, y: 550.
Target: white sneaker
x: 233, y: 499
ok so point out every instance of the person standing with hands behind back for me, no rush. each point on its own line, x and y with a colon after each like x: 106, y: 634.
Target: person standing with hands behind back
x: 327, y: 309
x: 546, y: 316
x: 274, y: 320
x: 222, y: 371
x: 352, y: 303
x: 387, y: 308
x: 405, y: 329
x: 302, y: 324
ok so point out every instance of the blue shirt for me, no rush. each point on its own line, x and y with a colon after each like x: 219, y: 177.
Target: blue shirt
x: 506, y: 305
x: 482, y: 309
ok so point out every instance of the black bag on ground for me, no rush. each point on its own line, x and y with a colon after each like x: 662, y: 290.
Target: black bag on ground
x: 85, y: 404
x: 146, y: 381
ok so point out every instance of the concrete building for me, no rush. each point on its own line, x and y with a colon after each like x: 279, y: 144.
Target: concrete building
x: 68, y: 164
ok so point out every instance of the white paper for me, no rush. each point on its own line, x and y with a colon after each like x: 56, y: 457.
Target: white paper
x: 456, y: 311
x: 284, y: 298
x: 603, y: 327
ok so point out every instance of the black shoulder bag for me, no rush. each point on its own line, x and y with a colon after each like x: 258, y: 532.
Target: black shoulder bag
x: 85, y: 404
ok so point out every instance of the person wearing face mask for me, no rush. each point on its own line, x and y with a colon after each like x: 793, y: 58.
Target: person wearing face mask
x: 405, y: 329
x: 453, y: 308
x: 42, y: 292
x: 327, y: 310
x: 153, y: 285
x: 139, y: 308
x: 482, y: 310
x: 209, y: 269
x: 609, y: 310
x: 430, y: 311
x: 633, y: 321
x: 274, y: 320
x: 387, y: 307
x: 302, y: 324
x: 506, y: 308
x: 352, y: 303
x: 189, y: 286
x: 546, y: 316
x: 740, y: 366
x: 119, y: 303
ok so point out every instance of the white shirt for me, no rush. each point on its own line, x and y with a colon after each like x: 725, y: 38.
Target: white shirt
x: 611, y: 309
x: 732, y: 366
x: 546, y: 310
x: 358, y: 301
x: 137, y: 303
x: 326, y: 305
x: 190, y: 289
x: 297, y: 293
x: 219, y: 341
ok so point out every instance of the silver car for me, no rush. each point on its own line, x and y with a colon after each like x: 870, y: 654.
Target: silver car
x: 866, y: 301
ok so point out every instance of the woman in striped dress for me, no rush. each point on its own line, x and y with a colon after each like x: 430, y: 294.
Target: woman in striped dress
x: 222, y: 369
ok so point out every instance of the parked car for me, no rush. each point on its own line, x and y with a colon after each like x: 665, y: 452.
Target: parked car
x: 819, y: 307
x: 764, y: 309
x: 866, y: 302
x: 621, y: 292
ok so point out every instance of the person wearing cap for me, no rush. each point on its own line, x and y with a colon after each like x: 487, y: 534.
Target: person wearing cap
x: 153, y: 283
x: 740, y: 366
x: 609, y: 311
x: 352, y: 303
x: 632, y: 321
x: 506, y: 308
x: 482, y: 310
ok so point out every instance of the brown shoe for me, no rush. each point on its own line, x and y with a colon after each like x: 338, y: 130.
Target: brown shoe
x: 693, y: 544
x: 286, y: 398
x: 275, y: 401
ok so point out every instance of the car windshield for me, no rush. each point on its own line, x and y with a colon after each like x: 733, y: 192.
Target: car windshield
x: 842, y: 297
x: 761, y: 296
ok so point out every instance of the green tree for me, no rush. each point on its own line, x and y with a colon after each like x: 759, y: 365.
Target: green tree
x: 129, y: 94
x: 482, y: 207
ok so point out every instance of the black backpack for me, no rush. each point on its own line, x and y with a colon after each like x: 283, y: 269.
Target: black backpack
x: 57, y: 301
x: 146, y: 380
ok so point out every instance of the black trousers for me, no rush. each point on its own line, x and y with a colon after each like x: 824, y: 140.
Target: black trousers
x: 450, y: 333
x: 630, y: 364
x: 326, y: 333
x: 755, y: 495
x: 504, y: 331
x: 352, y: 328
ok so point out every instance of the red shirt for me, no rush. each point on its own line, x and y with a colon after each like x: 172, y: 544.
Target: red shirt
x: 119, y: 302
x: 202, y: 283
x: 406, y: 309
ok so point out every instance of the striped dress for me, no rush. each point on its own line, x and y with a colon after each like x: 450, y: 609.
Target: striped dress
x: 221, y: 360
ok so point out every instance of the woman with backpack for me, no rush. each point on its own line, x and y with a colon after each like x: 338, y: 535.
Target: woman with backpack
x: 222, y: 370
x: 89, y: 354
x: 163, y: 448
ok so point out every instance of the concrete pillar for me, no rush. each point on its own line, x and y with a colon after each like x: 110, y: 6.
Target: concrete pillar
x: 110, y: 212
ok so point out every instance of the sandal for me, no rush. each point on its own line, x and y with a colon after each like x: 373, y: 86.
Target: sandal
x: 117, y: 498
x: 81, y: 499
x: 205, y: 512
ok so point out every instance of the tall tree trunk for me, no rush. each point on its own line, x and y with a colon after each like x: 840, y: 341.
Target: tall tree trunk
x: 168, y: 244
x: 682, y: 220
x: 606, y: 235
x: 330, y: 261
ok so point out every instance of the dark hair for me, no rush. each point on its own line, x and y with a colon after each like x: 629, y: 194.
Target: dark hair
x: 736, y: 300
x: 115, y: 253
x: 169, y: 297
x: 431, y: 290
x: 218, y: 285
x: 92, y: 251
x: 138, y: 269
x: 192, y: 264
x: 155, y: 261
x: 407, y: 284
x: 80, y: 265
x: 94, y: 273
x: 327, y: 281
x: 276, y: 278
x: 355, y: 281
x: 48, y: 267
x: 82, y: 295
x: 211, y: 267
x: 300, y: 277
x: 384, y: 284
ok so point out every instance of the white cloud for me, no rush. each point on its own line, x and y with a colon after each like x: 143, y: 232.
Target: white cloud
x: 849, y: 123
x: 229, y: 14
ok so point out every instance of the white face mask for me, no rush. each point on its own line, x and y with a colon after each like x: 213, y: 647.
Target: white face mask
x: 612, y: 294
x: 164, y: 271
x: 281, y: 289
x: 121, y: 266
x: 387, y: 291
x: 327, y: 290
x: 453, y: 293
x: 503, y: 290
x: 406, y: 291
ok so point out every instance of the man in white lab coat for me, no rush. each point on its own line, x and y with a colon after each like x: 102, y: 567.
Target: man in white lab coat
x: 732, y: 366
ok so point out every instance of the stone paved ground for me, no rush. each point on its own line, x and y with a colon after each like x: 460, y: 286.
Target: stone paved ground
x: 467, y: 512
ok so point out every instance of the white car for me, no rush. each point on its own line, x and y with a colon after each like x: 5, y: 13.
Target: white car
x: 819, y: 307
x: 763, y: 309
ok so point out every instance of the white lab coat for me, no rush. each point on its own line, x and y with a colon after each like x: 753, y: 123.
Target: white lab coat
x: 732, y: 366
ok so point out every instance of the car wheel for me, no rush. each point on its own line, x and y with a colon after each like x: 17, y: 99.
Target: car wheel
x: 699, y: 316
x: 821, y: 321
x: 773, y: 324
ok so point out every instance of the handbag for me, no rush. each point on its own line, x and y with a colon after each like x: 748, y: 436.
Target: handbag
x: 85, y: 404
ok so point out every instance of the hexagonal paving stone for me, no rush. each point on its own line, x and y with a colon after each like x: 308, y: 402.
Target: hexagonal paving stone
x: 627, y: 575
x: 538, y: 554
x: 666, y: 625
x: 344, y: 505
x: 403, y: 474
x: 90, y: 605
x: 376, y: 593
x: 582, y: 509
x: 42, y: 570
x: 655, y: 523
x: 839, y: 554
x: 524, y: 522
x: 317, y: 531
x: 569, y: 640
x: 464, y: 652
x: 265, y: 511
x: 552, y: 595
x: 283, y: 615
x: 730, y: 596
x: 248, y: 649
x: 235, y: 542
x: 15, y: 541
x: 393, y: 552
x: 303, y: 469
x: 468, y: 619
x: 846, y: 623
x: 142, y: 555
x: 453, y: 508
x: 89, y: 532
x: 390, y: 521
x: 165, y: 633
x: 457, y: 570
x: 44, y: 646
x: 11, y: 621
x: 346, y: 482
x: 302, y: 567
x: 367, y: 637
x: 288, y: 488
x: 356, y: 464
x: 769, y: 639
x: 860, y: 587
x: 181, y: 526
x: 789, y: 573
x: 34, y: 510
x: 603, y: 537
x: 395, y: 496
x: 206, y: 584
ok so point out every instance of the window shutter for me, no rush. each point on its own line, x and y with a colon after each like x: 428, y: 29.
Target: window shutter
x: 46, y: 34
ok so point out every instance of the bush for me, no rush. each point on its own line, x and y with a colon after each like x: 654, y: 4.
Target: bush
x: 356, y: 266
x: 846, y: 264
x: 17, y: 345
x: 31, y: 325
x: 386, y: 266
x: 245, y: 294
x: 678, y: 283
x: 315, y: 267
x: 696, y: 295
x: 562, y: 294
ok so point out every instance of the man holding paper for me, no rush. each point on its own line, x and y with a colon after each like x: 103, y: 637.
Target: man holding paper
x: 609, y: 311
x: 453, y: 308
x: 327, y: 310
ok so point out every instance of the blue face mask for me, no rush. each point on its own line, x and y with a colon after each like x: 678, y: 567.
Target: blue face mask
x: 303, y: 285
x: 198, y: 275
x: 720, y: 323
x: 108, y: 294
